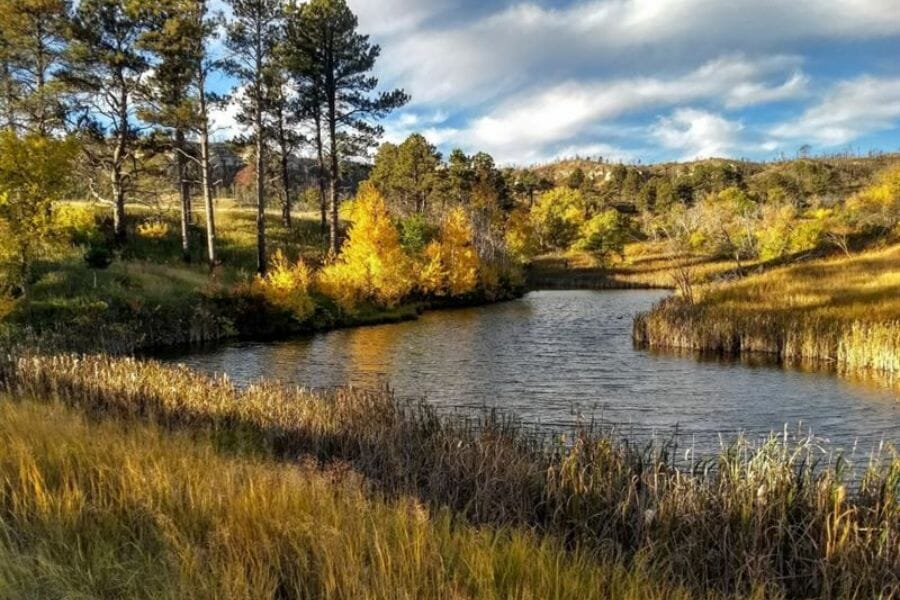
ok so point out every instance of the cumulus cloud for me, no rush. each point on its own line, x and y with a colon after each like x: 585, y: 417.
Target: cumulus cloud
x: 561, y: 113
x: 850, y: 110
x: 698, y: 133
x: 478, y: 60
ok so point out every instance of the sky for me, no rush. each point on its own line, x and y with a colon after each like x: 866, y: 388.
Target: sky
x: 641, y: 80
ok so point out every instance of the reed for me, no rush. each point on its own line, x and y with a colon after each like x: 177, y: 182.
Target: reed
x: 111, y: 510
x: 845, y: 312
x: 777, y: 519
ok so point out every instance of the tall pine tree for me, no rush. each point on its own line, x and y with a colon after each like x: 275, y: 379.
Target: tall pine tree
x: 333, y: 58
x: 253, y: 35
x: 104, y: 68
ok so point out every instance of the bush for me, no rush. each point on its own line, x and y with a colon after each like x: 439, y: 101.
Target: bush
x: 372, y: 265
x: 287, y: 286
x: 155, y: 229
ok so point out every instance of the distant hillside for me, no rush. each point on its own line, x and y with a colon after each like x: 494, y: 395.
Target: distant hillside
x: 825, y: 179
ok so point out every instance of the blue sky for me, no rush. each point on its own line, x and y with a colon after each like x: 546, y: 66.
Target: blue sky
x: 646, y: 80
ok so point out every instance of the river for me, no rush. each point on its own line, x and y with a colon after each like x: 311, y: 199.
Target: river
x: 556, y: 357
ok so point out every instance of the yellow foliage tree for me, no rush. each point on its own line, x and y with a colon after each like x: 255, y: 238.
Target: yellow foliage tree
x: 287, y: 286
x: 33, y: 176
x: 372, y: 265
x: 451, y: 264
x: 521, y: 237
x: 878, y: 206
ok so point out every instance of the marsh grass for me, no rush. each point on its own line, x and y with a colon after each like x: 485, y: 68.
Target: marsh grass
x: 126, y: 510
x: 778, y: 519
x: 842, y: 311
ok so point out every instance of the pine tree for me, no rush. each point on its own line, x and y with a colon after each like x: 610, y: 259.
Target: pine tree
x: 34, y: 40
x: 176, y: 98
x: 104, y: 69
x: 328, y: 51
x: 253, y: 35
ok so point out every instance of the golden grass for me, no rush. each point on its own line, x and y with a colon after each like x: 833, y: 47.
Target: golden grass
x: 125, y: 510
x: 772, y: 519
x: 844, y: 311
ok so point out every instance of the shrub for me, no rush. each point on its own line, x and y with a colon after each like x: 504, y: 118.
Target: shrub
x: 155, y: 229
x: 287, y: 286
x: 372, y: 265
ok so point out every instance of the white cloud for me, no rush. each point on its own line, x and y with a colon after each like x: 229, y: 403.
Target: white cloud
x: 850, y: 110
x: 698, y: 134
x: 477, y: 61
x: 529, y: 124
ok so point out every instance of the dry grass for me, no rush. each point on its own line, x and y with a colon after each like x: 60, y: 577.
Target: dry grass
x: 844, y: 311
x: 125, y: 510
x: 781, y: 519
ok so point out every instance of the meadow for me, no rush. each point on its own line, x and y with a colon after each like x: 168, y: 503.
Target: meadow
x: 488, y: 507
x: 843, y: 311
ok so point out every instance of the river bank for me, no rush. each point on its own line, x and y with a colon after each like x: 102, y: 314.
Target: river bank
x: 841, y: 311
x: 756, y: 519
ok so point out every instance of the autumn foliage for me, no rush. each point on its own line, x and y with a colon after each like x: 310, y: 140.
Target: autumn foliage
x: 372, y: 266
x: 451, y: 263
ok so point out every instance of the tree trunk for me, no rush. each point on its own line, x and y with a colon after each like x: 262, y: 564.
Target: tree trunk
x: 285, y: 171
x: 334, y: 172
x: 320, y: 168
x: 185, y: 192
x: 118, y: 177
x: 333, y: 181
x: 205, y: 173
x: 261, y: 261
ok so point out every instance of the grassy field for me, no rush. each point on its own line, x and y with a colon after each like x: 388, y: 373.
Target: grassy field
x: 644, y: 264
x: 844, y: 311
x: 780, y: 519
x: 150, y: 297
x: 127, y: 510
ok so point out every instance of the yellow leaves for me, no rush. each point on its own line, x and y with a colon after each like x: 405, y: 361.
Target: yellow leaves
x: 879, y: 204
x: 451, y: 264
x: 155, y: 229
x: 372, y: 266
x: 287, y: 286
x: 520, y: 235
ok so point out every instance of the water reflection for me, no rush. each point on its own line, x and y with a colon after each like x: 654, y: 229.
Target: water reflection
x: 554, y: 357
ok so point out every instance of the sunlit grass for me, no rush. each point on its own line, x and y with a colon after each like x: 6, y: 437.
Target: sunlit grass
x: 126, y: 510
x: 782, y: 519
x: 845, y: 311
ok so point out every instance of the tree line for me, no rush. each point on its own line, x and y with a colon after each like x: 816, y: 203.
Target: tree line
x: 128, y: 80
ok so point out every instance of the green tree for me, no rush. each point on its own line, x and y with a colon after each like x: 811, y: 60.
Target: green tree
x: 104, y: 67
x: 328, y: 51
x: 558, y: 217
x: 253, y: 35
x: 461, y: 176
x: 407, y: 174
x: 34, y: 33
x: 176, y: 98
x: 603, y: 234
x: 34, y: 174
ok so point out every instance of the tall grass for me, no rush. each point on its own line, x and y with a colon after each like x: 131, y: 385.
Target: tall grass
x: 779, y: 517
x: 842, y: 311
x: 105, y: 510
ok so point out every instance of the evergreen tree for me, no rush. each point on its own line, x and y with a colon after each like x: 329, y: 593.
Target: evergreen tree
x: 253, y: 35
x: 328, y: 52
x: 176, y: 97
x: 104, y: 69
x: 32, y: 43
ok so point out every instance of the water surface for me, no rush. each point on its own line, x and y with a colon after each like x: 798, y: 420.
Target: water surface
x: 555, y: 357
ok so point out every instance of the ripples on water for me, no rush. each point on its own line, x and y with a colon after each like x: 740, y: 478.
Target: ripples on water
x: 557, y: 357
